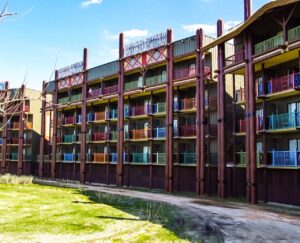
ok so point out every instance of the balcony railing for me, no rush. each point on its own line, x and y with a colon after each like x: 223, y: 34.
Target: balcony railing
x: 268, y: 44
x: 133, y: 85
x: 139, y: 110
x: 242, y: 124
x: 242, y: 158
x: 187, y: 158
x: 187, y: 131
x: 1, y: 141
x: 159, y: 158
x: 159, y: 132
x: 28, y: 125
x: 94, y: 93
x: 187, y: 104
x: 113, y: 136
x: 63, y: 100
x: 75, y: 98
x: 69, y: 138
x: 113, y: 114
x: 159, y: 107
x: 285, y: 158
x: 16, y: 125
x: 69, y: 157
x: 79, y: 119
x: 140, y: 158
x: 284, y: 121
x: 139, y: 134
x: 235, y: 58
x: 69, y: 120
x: 184, y: 73
x: 100, y: 116
x: 100, y: 136
x: 89, y: 117
x: 110, y: 90
x: 155, y: 80
x: 101, y: 157
x: 13, y: 140
x: 113, y: 158
x: 294, y: 34
x: 26, y: 108
x: 13, y: 156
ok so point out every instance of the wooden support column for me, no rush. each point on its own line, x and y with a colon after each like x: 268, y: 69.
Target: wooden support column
x: 234, y: 181
x: 250, y: 124
x: 21, y: 133
x: 54, y: 137
x: 151, y: 143
x: 43, y: 128
x: 120, y: 144
x: 200, y: 114
x: 170, y: 115
x: 4, y: 135
x: 83, y: 117
x: 221, y: 115
x: 208, y: 179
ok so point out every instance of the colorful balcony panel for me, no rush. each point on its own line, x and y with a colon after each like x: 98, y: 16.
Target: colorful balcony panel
x: 284, y: 121
x: 285, y: 158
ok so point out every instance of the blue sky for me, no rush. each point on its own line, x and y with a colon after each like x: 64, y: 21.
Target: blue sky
x: 46, y: 32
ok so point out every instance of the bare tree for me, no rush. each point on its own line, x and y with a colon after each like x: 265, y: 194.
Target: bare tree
x: 5, y: 13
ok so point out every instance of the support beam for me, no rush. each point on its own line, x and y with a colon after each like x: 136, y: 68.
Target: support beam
x: 247, y: 9
x: 42, y: 138
x: 200, y: 114
x: 21, y: 133
x: 120, y: 145
x: 54, y: 137
x: 221, y: 114
x: 170, y: 116
x: 83, y: 117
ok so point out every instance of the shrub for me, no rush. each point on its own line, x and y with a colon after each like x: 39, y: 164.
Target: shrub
x: 13, y: 179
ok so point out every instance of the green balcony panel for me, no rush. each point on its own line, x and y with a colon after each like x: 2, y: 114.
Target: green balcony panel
x: 140, y: 158
x: 133, y: 85
x: 294, y: 34
x: 155, y: 80
x: 63, y: 100
x: 268, y: 44
x: 284, y: 121
x: 75, y: 98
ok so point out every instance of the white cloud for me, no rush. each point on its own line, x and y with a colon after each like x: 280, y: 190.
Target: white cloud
x: 87, y: 3
x: 210, y: 29
x: 129, y: 35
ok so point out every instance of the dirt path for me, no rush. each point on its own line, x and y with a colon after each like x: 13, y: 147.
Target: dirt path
x: 233, y: 222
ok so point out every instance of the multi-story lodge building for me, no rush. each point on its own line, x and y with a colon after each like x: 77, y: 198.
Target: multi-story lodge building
x: 200, y: 114
x: 19, y: 129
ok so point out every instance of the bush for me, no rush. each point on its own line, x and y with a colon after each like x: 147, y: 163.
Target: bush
x: 13, y: 179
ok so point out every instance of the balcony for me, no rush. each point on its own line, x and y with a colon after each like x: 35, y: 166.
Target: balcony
x: 89, y: 117
x: 188, y: 73
x: 94, y: 93
x: 268, y: 44
x: 16, y: 125
x: 69, y: 138
x: 159, y: 107
x: 63, y: 100
x: 113, y: 114
x: 159, y: 132
x: 69, y: 157
x: 159, y: 158
x: 100, y: 158
x: 235, y: 58
x: 75, y: 98
x: 1, y: 141
x: 113, y: 136
x: 285, y: 158
x: 110, y: 90
x: 242, y: 125
x: 26, y: 108
x: 100, y: 136
x: 13, y: 156
x: 212, y: 103
x: 294, y: 34
x: 13, y: 140
x: 139, y: 134
x: 140, y: 110
x: 113, y: 158
x: 133, y: 85
x: 28, y: 125
x: 284, y: 121
x: 187, y: 158
x: 140, y: 158
x: 69, y: 120
x: 155, y: 80
x: 185, y: 104
x: 100, y: 116
x: 78, y: 119
x: 242, y: 158
x: 187, y: 131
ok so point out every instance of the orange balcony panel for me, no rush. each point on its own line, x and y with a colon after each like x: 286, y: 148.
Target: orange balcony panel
x: 29, y: 125
x: 140, y: 134
x: 100, y: 157
x: 100, y: 116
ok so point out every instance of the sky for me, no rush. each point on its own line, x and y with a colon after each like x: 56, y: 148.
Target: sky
x: 50, y: 34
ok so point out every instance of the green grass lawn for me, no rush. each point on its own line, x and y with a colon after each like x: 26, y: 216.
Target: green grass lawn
x: 42, y: 213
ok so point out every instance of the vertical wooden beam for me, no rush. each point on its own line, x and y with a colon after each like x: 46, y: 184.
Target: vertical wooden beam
x: 247, y: 9
x: 42, y: 138
x: 208, y: 177
x: 21, y: 132
x: 54, y: 137
x: 234, y: 181
x: 170, y: 115
x: 83, y: 117
x: 120, y: 144
x: 200, y: 114
x: 4, y: 135
x: 221, y: 114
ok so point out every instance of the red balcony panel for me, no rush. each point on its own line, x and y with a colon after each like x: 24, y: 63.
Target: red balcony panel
x: 139, y: 110
x: 26, y: 108
x: 70, y: 120
x: 235, y: 58
x: 242, y: 126
x: 188, y: 103
x: 94, y: 93
x: 100, y: 136
x: 184, y: 73
x: 188, y: 130
x: 280, y: 84
x: 14, y: 141
x: 110, y: 90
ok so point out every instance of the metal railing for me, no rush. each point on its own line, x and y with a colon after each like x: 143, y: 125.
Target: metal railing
x: 159, y: 107
x: 75, y: 98
x: 113, y: 158
x: 100, y: 116
x: 69, y: 138
x: 285, y: 158
x: 140, y: 157
x: 242, y: 158
x: 63, y: 100
x: 155, y: 80
x: 159, y: 158
x: 139, y: 134
x: 294, y: 33
x: 133, y: 85
x: 69, y: 157
x: 187, y: 130
x: 113, y: 135
x: 235, y: 58
x: 100, y: 136
x: 139, y: 110
x: 187, y: 158
x: 101, y: 157
x: 110, y: 90
x: 94, y: 93
x: 268, y: 44
x: 284, y: 121
x: 159, y: 132
x: 113, y: 114
x: 69, y: 120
